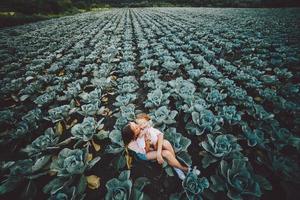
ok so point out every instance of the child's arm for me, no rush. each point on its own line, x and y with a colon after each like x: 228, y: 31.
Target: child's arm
x: 147, y: 147
x: 159, y: 148
x: 154, y: 134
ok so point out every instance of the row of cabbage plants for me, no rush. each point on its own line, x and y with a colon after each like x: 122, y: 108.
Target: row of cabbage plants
x: 225, y: 95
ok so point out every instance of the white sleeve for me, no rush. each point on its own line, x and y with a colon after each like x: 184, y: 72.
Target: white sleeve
x: 155, y: 132
x: 134, y: 146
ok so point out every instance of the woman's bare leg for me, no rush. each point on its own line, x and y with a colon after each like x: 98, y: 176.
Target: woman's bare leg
x: 168, y: 146
x: 151, y: 155
x: 171, y: 159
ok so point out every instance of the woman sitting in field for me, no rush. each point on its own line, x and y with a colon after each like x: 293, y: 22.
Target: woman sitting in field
x: 149, y: 143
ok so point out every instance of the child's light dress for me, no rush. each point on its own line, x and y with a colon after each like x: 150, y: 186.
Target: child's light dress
x: 148, y: 132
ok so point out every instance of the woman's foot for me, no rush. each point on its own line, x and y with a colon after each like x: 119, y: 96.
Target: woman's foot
x: 193, y: 168
x: 180, y: 173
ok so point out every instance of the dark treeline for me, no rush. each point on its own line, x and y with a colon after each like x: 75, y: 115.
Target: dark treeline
x: 44, y: 6
x: 59, y: 6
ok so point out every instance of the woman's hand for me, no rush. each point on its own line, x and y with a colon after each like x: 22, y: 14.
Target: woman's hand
x: 160, y: 159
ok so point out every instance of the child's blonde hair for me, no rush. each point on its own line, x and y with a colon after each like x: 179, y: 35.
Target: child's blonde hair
x: 143, y: 119
x: 143, y: 116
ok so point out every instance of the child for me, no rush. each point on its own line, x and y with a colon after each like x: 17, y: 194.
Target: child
x: 146, y: 139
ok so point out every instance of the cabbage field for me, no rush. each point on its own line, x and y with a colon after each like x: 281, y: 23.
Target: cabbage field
x: 222, y: 84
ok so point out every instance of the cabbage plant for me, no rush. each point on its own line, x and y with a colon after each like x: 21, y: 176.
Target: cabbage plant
x: 102, y: 83
x: 194, y: 74
x: 215, y: 97
x: 283, y: 137
x: 33, y: 117
x: 90, y: 109
x: 6, y: 116
x: 126, y: 67
x: 287, y: 167
x: 87, y: 129
x: 71, y: 162
x: 253, y: 83
x: 268, y: 79
x: 70, y: 166
x: 182, y: 59
x: 118, y: 148
x: 119, y: 188
x: 230, y: 68
x: 194, y: 186
x: 92, y: 97
x: 21, y: 130
x: 170, y: 65
x: 226, y: 83
x: 157, y: 84
x: 268, y: 93
x: 237, y: 93
x: 124, y: 99
x: 197, y: 104
x: 283, y: 73
x: 123, y: 188
x: 230, y: 114
x: 202, y: 121
x: 121, y: 122
x: 219, y: 147
x: 163, y: 116
x: 73, y: 90
x: 58, y: 113
x: 41, y: 143
x: 127, y: 84
x: 149, y: 63
x: 242, y: 76
x: 207, y: 82
x: 259, y: 112
x: 72, y: 192
x: 150, y: 75
x: 254, y: 136
x: 104, y: 70
x: 156, y: 98
x: 45, y: 98
x: 290, y: 89
x: 213, y: 71
x: 109, y: 54
x: 183, y: 88
x: 239, y: 96
x: 127, y: 112
x: 21, y: 171
x: 31, y: 88
x: 238, y: 180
